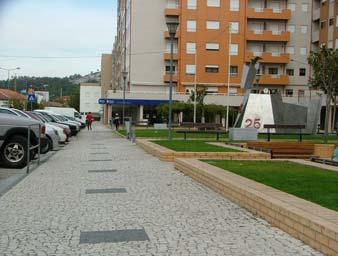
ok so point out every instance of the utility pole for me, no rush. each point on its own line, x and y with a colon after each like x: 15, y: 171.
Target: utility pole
x: 228, y: 93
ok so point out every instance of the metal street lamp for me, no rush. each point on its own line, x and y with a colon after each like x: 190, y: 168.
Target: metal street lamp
x: 125, y: 75
x: 172, y: 29
x: 8, y: 71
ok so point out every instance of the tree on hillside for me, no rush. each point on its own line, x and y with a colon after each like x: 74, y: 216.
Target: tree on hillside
x: 324, y: 65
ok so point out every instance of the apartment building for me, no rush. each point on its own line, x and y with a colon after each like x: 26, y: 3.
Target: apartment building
x: 325, y: 24
x: 214, y: 40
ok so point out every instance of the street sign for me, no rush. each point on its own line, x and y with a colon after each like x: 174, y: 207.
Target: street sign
x: 31, y: 98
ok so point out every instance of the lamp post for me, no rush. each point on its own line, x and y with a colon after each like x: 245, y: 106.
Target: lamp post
x: 8, y: 72
x: 228, y: 78
x: 125, y: 75
x: 172, y: 28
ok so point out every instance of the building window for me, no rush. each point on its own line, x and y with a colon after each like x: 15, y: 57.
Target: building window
x: 292, y: 7
x: 234, y: 5
x: 191, y: 48
x: 192, y: 4
x: 211, y: 69
x: 331, y: 21
x: 305, y: 7
x: 303, y: 29
x: 191, y: 26
x: 190, y: 69
x: 213, y: 3
x: 290, y: 50
x: 288, y: 92
x: 213, y: 25
x: 233, y: 49
x: 273, y: 71
x: 233, y: 70
x: 323, y: 24
x: 303, y: 51
x: 302, y: 72
x: 291, y: 28
x: 212, y: 46
x: 290, y: 72
x: 330, y: 44
x: 301, y: 93
x: 167, y: 69
x: 234, y: 27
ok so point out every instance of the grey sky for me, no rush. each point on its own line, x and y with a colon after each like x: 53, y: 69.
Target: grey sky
x: 31, y: 29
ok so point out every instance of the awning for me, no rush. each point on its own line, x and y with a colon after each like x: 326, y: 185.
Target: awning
x: 132, y: 102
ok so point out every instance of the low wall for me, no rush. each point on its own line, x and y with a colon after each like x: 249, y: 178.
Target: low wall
x: 314, y: 225
x: 165, y: 154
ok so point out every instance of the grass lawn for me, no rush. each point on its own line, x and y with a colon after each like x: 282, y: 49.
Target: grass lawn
x: 152, y: 133
x: 310, y: 183
x: 192, y: 146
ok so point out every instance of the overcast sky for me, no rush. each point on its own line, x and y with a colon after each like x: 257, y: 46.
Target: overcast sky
x: 30, y: 29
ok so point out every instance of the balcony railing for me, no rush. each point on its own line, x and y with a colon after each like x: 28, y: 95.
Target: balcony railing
x: 266, y: 35
x: 269, y: 57
x: 274, y: 80
x: 268, y: 13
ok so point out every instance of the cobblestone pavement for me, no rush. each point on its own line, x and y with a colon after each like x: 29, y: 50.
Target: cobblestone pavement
x: 46, y: 212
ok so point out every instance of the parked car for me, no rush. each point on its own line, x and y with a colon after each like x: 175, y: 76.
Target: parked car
x: 73, y: 128
x: 56, y: 135
x: 82, y: 123
x: 72, y: 112
x: 14, y: 139
x: 49, y: 120
x: 45, y: 143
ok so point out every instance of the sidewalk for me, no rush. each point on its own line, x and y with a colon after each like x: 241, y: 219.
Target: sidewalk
x: 147, y: 208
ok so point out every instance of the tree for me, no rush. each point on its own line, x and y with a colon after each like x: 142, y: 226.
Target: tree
x: 324, y: 76
x: 74, y: 101
x: 200, y: 96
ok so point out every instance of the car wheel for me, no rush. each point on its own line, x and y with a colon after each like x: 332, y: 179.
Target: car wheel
x: 14, y: 152
x: 47, y: 147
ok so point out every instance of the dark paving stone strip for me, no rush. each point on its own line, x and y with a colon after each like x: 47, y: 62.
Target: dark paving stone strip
x: 99, y: 153
x: 97, y: 144
x: 112, y: 170
x: 115, y: 236
x: 106, y: 191
x: 100, y: 160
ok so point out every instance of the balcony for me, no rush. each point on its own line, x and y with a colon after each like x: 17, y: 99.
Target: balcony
x: 316, y: 13
x: 171, y: 12
x: 268, y: 14
x: 172, y: 8
x: 315, y: 36
x: 268, y: 57
x: 274, y: 80
x: 269, y: 36
x: 166, y: 56
x: 166, y: 77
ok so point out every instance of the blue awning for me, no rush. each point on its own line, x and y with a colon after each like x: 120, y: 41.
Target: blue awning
x: 132, y: 102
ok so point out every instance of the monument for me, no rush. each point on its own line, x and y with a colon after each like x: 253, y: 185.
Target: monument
x: 264, y: 108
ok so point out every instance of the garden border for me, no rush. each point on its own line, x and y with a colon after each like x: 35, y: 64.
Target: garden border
x: 168, y: 155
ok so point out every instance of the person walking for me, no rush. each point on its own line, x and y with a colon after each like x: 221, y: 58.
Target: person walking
x: 89, y: 120
x: 117, y: 121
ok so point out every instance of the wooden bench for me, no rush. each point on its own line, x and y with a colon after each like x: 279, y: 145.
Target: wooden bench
x: 217, y: 132
x: 284, y: 149
x: 298, y: 127
x: 201, y: 126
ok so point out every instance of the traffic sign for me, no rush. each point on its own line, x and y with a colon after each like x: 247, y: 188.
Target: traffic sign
x: 31, y: 98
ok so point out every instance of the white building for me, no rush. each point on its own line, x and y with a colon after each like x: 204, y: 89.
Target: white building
x: 42, y: 96
x: 90, y: 93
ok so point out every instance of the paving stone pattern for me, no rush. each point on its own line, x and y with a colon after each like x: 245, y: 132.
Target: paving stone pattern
x: 46, y: 213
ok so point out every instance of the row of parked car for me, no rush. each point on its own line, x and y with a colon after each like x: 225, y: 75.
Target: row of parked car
x: 55, y: 129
